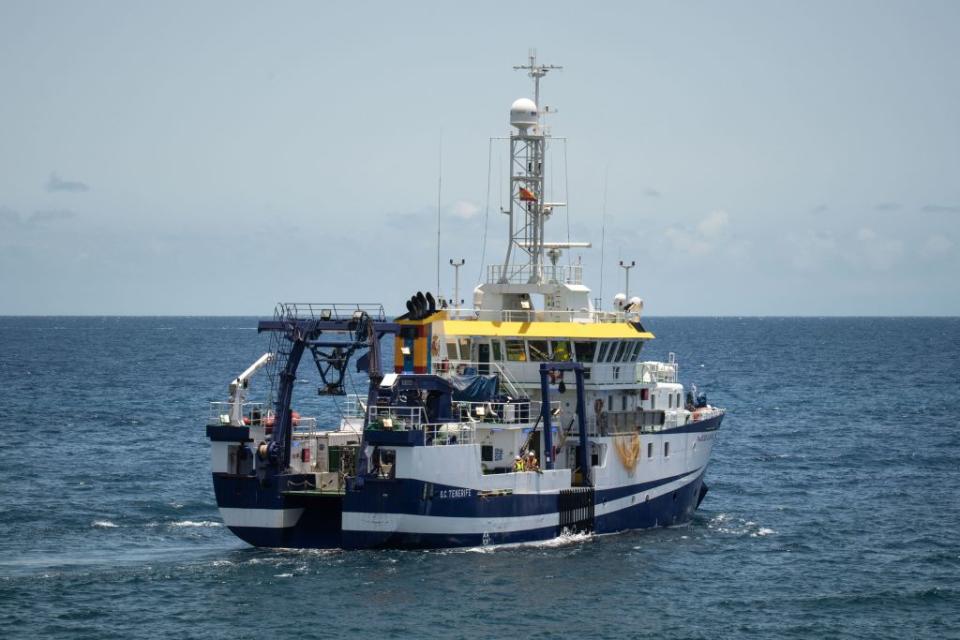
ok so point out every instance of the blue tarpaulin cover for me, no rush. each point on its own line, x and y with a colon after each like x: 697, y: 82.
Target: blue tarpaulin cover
x: 474, y: 388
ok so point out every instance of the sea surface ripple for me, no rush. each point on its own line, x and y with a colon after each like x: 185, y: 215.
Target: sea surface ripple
x: 833, y: 508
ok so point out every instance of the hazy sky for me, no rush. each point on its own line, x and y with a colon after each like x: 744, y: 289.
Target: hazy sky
x: 769, y: 158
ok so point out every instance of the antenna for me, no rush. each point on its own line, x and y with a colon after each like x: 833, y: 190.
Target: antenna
x: 626, y: 267
x: 603, y: 233
x: 456, y: 264
x: 439, y: 194
x: 536, y: 71
x: 527, y: 184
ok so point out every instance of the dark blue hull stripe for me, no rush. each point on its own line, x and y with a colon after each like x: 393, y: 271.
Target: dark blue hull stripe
x: 319, y: 527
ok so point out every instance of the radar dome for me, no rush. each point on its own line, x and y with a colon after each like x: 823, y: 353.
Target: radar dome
x: 619, y: 300
x: 636, y: 304
x: 523, y: 113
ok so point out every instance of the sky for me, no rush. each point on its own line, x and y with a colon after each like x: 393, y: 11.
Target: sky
x: 213, y: 158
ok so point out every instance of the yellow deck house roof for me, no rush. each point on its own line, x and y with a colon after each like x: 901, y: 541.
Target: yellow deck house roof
x: 543, y: 329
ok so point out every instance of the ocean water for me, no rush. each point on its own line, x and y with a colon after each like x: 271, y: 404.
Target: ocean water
x: 833, y: 509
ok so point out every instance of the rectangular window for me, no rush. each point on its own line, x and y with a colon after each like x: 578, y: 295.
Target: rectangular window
x: 585, y: 351
x: 625, y: 347
x: 636, y: 350
x: 610, y: 403
x: 560, y: 350
x: 452, y: 351
x: 603, y: 351
x: 649, y: 449
x: 538, y: 350
x: 612, y: 352
x: 670, y: 401
x: 465, y: 349
x: 666, y: 449
x: 516, y: 351
x: 486, y: 453
x: 623, y: 402
x: 495, y: 347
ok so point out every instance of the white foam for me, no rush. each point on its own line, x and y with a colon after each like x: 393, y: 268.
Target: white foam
x: 195, y: 523
x: 563, y: 540
x: 723, y: 523
x: 104, y: 524
x: 283, y: 575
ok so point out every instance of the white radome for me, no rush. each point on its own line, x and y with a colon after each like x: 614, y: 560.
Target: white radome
x: 619, y: 300
x: 523, y: 114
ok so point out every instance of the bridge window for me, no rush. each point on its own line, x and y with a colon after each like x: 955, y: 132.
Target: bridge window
x: 516, y: 351
x: 666, y: 449
x: 625, y: 348
x: 585, y: 351
x: 670, y: 401
x: 495, y: 347
x: 612, y: 352
x: 603, y: 351
x: 452, y: 351
x: 636, y: 351
x: 465, y: 348
x: 561, y: 350
x: 538, y: 350
x: 649, y: 449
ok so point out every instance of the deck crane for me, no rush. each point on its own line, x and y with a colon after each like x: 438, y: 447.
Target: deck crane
x: 239, y: 386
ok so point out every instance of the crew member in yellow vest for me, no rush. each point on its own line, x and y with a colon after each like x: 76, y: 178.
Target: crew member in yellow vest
x: 518, y: 463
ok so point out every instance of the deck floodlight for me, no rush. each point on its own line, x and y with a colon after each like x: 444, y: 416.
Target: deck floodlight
x: 325, y: 314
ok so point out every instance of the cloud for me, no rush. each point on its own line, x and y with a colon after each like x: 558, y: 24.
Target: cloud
x: 811, y: 250
x: 714, y: 224
x: 651, y: 192
x: 56, y: 183
x: 888, y: 206
x: 54, y: 215
x: 463, y: 209
x: 703, y: 238
x: 937, y: 245
x: 940, y: 208
x: 873, y: 251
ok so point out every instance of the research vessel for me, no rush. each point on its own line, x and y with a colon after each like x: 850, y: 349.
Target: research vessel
x: 529, y: 415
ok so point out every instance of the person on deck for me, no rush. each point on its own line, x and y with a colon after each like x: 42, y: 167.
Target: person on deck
x: 518, y: 464
x: 531, y: 463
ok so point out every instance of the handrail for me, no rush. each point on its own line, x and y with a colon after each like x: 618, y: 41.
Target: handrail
x: 450, y: 367
x: 527, y: 273
x: 329, y: 310
x: 251, y: 412
x: 503, y: 412
x: 650, y: 371
x: 580, y: 316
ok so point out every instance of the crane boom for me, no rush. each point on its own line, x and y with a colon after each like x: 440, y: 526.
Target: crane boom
x: 239, y: 386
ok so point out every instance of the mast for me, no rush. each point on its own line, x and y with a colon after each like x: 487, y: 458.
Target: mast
x: 527, y: 156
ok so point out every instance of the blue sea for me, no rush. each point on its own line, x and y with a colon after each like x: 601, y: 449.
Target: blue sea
x: 833, y: 512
